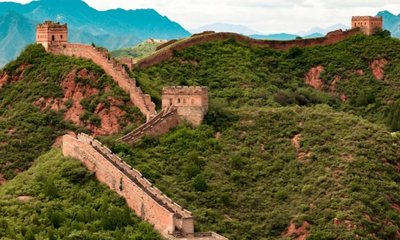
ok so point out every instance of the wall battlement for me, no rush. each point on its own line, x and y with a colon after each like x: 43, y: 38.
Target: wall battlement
x: 169, y: 218
x: 190, y: 102
x: 367, y: 24
x: 166, y: 52
x: 113, y: 68
x: 49, y: 33
x: 188, y: 90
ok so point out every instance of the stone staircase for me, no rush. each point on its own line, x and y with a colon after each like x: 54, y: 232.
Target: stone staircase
x: 158, y: 125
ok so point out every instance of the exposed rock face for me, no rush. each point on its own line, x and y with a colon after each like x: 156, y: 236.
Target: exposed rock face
x: 3, y: 79
x: 110, y: 118
x: 296, y: 142
x: 301, y: 155
x: 74, y: 93
x: 313, y: 77
x: 2, y: 179
x: 333, y: 86
x: 25, y: 198
x: 360, y: 72
x: 300, y: 233
x: 377, y: 67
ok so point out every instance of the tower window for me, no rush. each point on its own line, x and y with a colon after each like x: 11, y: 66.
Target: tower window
x: 61, y: 36
x: 53, y: 38
x: 179, y: 100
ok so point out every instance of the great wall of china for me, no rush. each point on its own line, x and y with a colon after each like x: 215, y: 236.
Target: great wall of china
x: 112, y: 68
x: 170, y: 219
x: 178, y: 104
x: 166, y: 51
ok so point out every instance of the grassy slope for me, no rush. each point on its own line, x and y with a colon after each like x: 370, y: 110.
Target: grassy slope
x: 255, y: 76
x: 236, y: 188
x: 139, y: 51
x: 255, y: 185
x: 25, y: 131
x: 68, y: 203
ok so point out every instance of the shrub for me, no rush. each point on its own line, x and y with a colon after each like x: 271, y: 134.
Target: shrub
x: 199, y: 183
x: 393, y: 119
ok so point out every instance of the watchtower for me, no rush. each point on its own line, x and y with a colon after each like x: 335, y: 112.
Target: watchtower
x: 51, y: 33
x: 368, y: 25
x: 190, y: 102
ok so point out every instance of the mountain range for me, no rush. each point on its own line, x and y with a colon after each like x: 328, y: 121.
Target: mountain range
x: 226, y: 27
x: 112, y: 29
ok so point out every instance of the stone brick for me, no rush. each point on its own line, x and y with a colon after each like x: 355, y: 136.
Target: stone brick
x: 190, y: 102
x: 170, y: 219
x: 368, y: 24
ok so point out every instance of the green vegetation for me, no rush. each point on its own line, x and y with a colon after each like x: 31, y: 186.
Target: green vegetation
x: 245, y: 76
x: 139, y: 51
x: 250, y: 183
x: 60, y: 199
x: 240, y: 172
x: 26, y: 131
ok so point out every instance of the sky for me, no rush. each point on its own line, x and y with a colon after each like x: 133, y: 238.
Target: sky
x: 266, y: 16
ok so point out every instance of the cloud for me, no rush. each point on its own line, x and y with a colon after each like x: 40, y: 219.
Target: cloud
x: 267, y: 16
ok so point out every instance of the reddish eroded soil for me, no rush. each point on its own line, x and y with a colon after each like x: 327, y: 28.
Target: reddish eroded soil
x: 5, y: 78
x: 396, y: 207
x: 2, y: 179
x: 313, y: 77
x: 360, y: 72
x: 333, y: 86
x: 300, y: 233
x: 296, y: 142
x: 74, y: 92
x: 377, y: 67
x: 110, y: 118
x: 347, y: 223
x: 301, y: 155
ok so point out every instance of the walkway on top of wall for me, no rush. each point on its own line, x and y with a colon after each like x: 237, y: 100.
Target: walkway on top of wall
x: 113, y: 68
x: 165, y: 51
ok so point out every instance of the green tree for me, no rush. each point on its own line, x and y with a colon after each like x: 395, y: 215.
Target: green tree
x: 394, y: 117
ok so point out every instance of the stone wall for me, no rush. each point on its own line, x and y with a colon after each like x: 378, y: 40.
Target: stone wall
x: 170, y: 219
x: 112, y: 68
x: 167, y: 52
x: 164, y: 121
x: 191, y: 102
x: 367, y: 24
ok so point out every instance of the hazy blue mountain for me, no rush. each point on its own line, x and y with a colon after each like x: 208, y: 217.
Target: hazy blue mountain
x: 322, y: 31
x: 225, y: 27
x: 113, y: 29
x: 276, y: 36
x: 314, y: 35
x: 16, y: 32
x: 391, y: 22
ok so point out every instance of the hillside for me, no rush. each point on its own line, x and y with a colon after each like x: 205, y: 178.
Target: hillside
x: 268, y: 168
x: 359, y: 75
x: 297, y: 144
x: 294, y: 145
x: 113, y: 29
x: 43, y: 95
x: 140, y: 50
x: 59, y: 199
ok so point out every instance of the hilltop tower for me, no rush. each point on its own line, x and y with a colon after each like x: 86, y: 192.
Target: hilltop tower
x: 190, y: 102
x: 51, y: 33
x: 368, y: 25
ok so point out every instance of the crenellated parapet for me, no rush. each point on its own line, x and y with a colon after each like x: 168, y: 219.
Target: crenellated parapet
x: 169, y: 218
x: 191, y: 102
x: 367, y: 24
